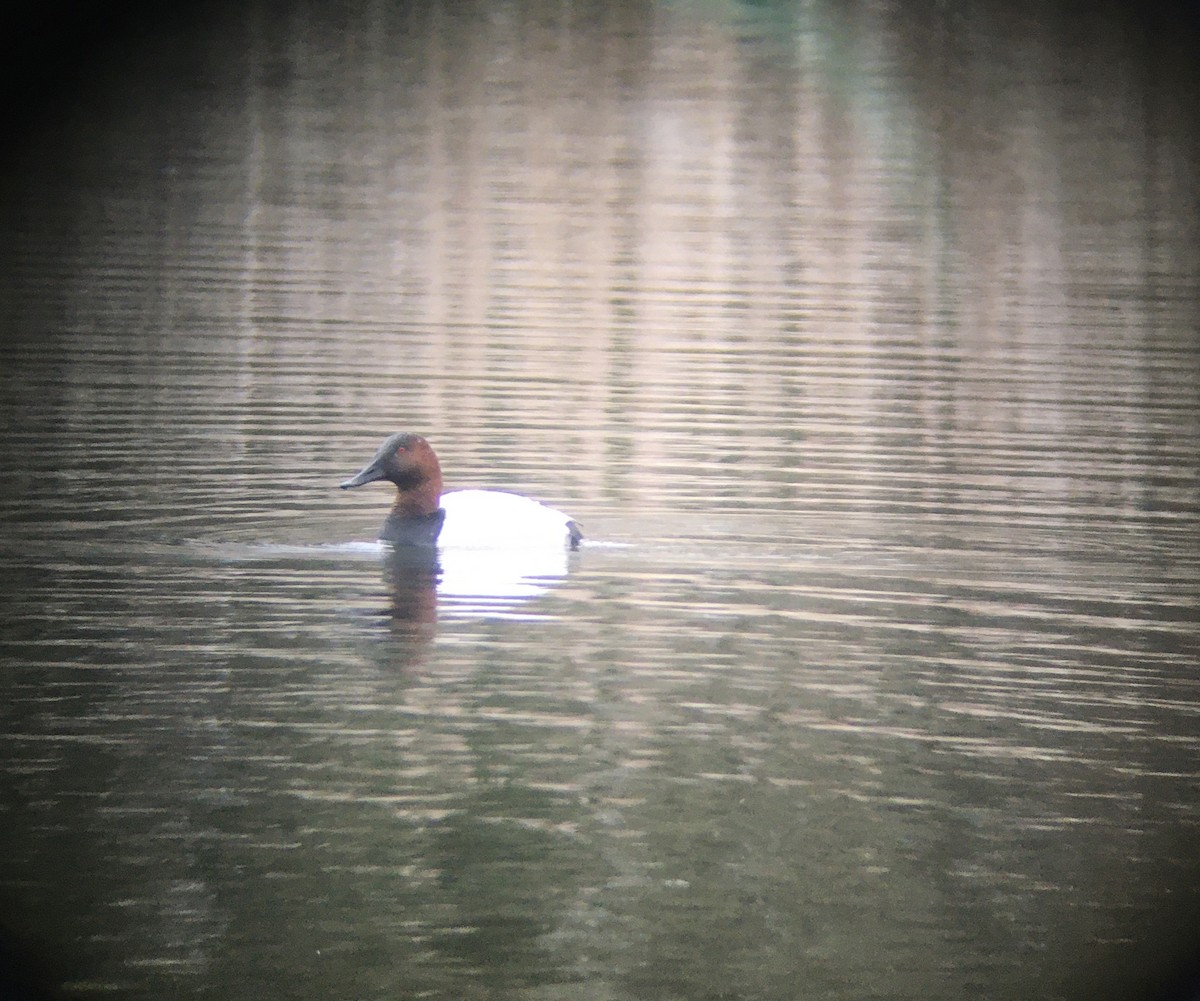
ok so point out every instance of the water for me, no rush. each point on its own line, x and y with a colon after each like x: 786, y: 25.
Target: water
x: 862, y: 343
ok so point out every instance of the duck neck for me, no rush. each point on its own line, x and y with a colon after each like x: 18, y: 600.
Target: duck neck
x: 417, y: 495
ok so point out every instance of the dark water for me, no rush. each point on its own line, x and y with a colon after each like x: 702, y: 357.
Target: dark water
x: 864, y: 344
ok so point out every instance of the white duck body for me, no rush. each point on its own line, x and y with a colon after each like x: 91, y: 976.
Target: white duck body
x: 496, y: 519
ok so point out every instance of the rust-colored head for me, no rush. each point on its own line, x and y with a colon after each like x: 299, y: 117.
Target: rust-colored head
x: 407, y: 461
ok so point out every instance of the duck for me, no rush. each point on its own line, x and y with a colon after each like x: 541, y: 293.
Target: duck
x: 423, y: 516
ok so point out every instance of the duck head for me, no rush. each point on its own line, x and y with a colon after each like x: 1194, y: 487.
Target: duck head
x: 407, y: 461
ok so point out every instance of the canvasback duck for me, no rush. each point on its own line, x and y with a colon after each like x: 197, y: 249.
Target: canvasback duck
x: 423, y: 516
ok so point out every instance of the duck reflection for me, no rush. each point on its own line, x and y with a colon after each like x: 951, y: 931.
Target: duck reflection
x: 467, y: 582
x: 412, y: 574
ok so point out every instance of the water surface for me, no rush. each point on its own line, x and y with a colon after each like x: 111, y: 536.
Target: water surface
x: 863, y: 344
